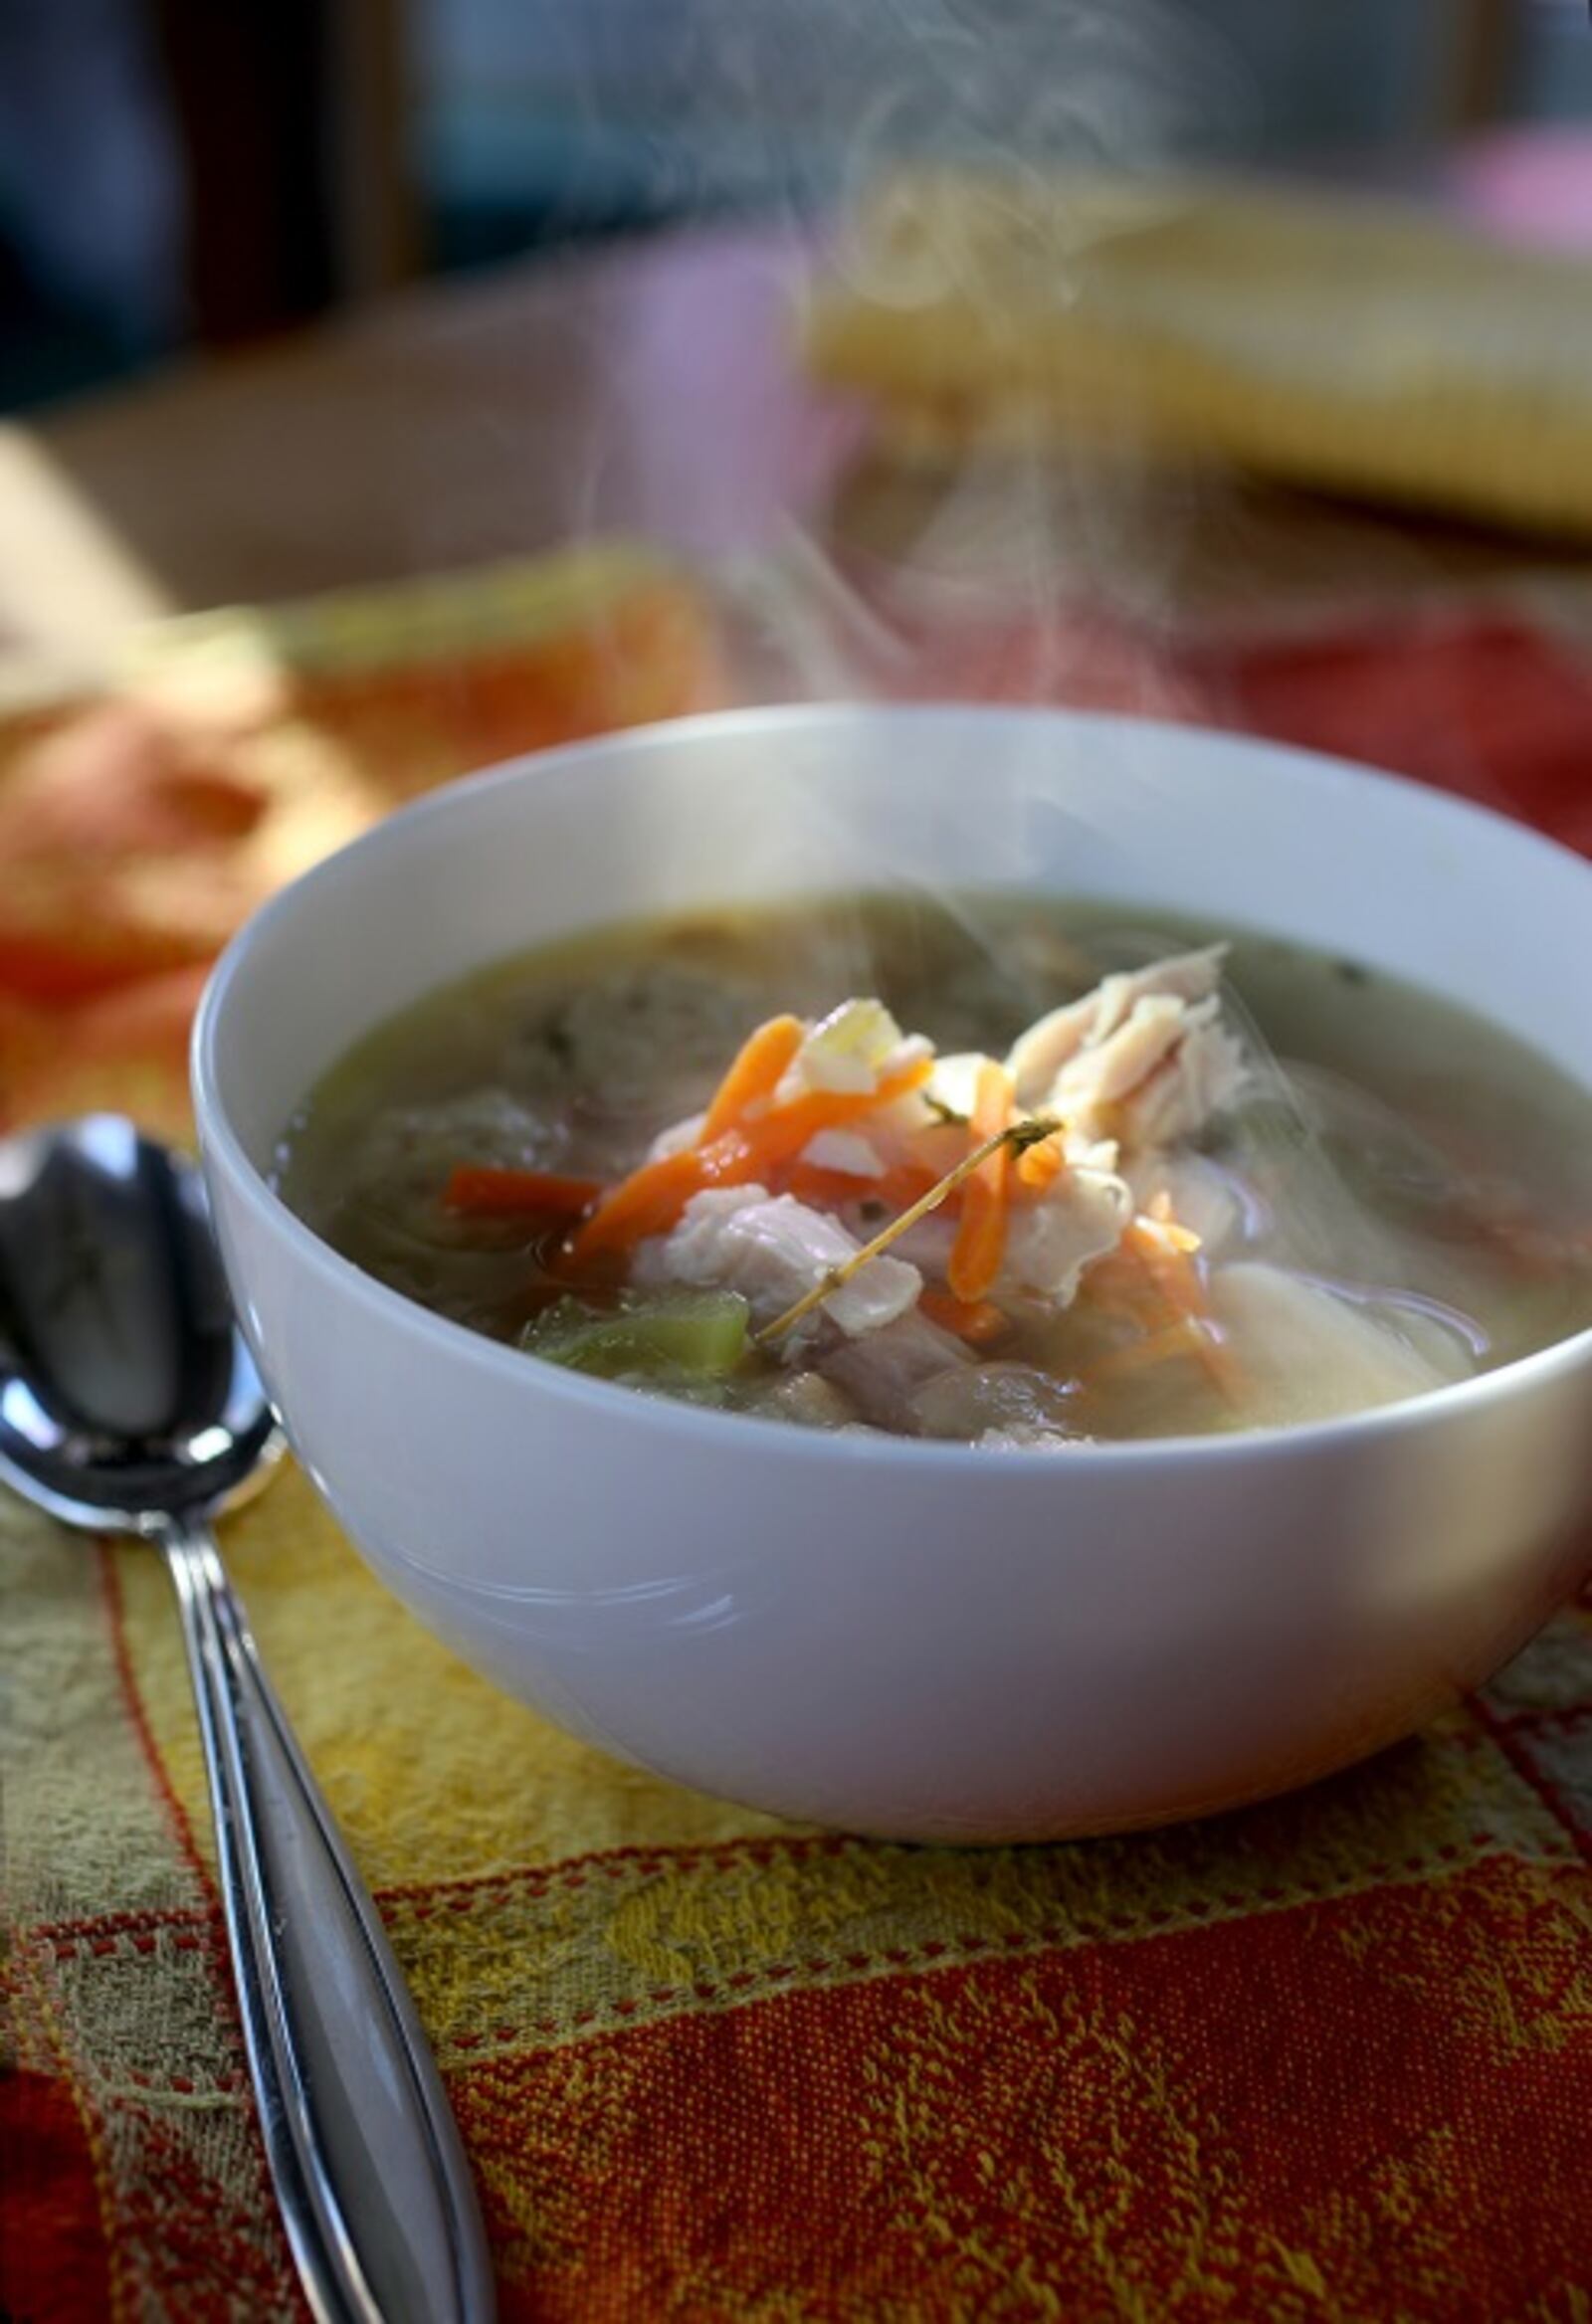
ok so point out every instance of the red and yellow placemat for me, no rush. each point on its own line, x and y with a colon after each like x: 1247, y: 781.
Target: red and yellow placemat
x: 1330, y: 2057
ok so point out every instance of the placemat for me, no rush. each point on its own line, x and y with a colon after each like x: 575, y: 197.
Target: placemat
x: 1328, y: 2058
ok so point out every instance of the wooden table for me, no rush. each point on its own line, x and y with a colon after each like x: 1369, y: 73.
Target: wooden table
x: 651, y: 388
x: 648, y: 388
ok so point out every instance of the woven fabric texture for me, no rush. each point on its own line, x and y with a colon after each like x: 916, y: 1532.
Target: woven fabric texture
x: 1330, y: 2057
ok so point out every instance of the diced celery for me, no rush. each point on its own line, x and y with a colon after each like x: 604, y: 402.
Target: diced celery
x: 850, y: 1046
x: 690, y: 1334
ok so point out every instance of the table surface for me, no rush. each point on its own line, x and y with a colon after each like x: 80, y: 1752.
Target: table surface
x: 648, y: 388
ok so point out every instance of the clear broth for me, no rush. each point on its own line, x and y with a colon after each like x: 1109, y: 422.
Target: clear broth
x: 1397, y: 1144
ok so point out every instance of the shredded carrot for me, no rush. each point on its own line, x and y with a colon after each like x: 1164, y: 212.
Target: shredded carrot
x: 980, y: 1243
x: 1158, y: 1219
x: 1165, y: 1247
x: 903, y: 1183
x: 483, y: 1193
x: 650, y: 1200
x: 824, y: 1190
x: 755, y: 1074
x: 978, y: 1321
x: 895, y: 1187
x: 1152, y: 1238
x: 1170, y: 1268
x: 780, y: 1137
x: 1040, y: 1166
x: 939, y: 1146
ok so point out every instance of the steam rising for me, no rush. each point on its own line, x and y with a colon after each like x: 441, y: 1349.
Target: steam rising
x: 804, y: 102
x: 1030, y: 570
x: 796, y: 111
x: 966, y: 577
x: 911, y: 576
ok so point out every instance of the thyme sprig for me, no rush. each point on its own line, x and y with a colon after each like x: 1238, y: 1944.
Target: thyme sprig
x: 1016, y: 1137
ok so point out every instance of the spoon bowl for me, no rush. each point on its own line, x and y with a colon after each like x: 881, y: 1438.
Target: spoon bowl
x: 129, y: 1403
x: 126, y: 1394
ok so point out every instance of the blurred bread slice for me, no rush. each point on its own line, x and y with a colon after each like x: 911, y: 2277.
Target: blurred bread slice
x: 139, y: 826
x: 1332, y: 342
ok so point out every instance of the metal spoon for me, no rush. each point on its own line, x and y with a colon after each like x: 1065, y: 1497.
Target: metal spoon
x: 129, y: 1402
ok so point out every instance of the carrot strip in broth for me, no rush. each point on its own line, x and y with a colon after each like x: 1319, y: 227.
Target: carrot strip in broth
x: 978, y: 1322
x: 1165, y: 1222
x: 1171, y: 1270
x: 1039, y: 1167
x: 485, y: 1193
x: 980, y: 1243
x: 650, y: 1200
x: 830, y: 1190
x: 780, y: 1137
x: 1169, y: 1261
x: 755, y: 1074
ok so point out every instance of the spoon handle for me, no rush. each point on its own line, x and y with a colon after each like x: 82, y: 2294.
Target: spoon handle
x: 374, y: 2190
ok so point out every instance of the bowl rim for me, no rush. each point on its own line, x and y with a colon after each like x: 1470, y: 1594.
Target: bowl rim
x: 222, y: 1146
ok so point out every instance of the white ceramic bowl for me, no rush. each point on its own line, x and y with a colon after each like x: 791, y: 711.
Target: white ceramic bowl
x: 907, y: 1638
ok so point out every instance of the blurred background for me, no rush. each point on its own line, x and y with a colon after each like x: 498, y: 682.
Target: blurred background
x: 181, y: 175
x: 388, y: 387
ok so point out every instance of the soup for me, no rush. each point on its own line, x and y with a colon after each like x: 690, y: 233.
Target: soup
x: 1022, y: 1174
